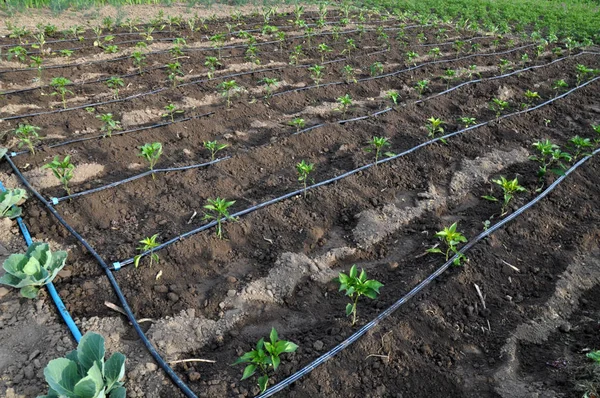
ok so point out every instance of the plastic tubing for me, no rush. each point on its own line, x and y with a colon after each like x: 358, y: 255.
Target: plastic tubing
x: 359, y: 333
x: 119, y: 264
x: 64, y: 313
x: 55, y: 201
x: 111, y: 278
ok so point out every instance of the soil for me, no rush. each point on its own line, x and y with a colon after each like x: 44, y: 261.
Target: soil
x: 526, y: 335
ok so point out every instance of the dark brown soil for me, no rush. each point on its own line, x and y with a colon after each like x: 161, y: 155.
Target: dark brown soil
x: 443, y: 342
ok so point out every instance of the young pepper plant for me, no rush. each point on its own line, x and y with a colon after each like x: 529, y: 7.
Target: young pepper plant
x: 28, y: 136
x: 214, y: 147
x: 265, y: 356
x: 219, y: 211
x: 59, y: 85
x: 451, y: 238
x: 115, y: 83
x: 304, y: 169
x: 356, y: 285
x: 298, y: 122
x: 63, y: 170
x: 151, y: 152
x: 147, y: 244
x: 110, y: 125
x: 509, y: 189
x: 170, y: 111
x: 377, y: 144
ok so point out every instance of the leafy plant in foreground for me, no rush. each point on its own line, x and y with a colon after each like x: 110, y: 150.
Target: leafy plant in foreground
x: 63, y: 170
x: 9, y: 200
x: 451, y: 238
x: 170, y: 111
x: 84, y: 373
x: 17, y: 52
x: 509, y: 189
x: 36, y: 268
x: 304, y: 169
x: 265, y: 356
x: 219, y: 211
x: 377, y: 144
x: 147, y: 244
x: 59, y: 85
x: 355, y: 286
x: 28, y: 136
x: 151, y: 152
x: 214, y: 147
x: 110, y: 124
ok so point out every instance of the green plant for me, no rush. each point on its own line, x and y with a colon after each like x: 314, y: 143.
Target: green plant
x: 63, y: 170
x: 151, y: 152
x: 559, y: 84
x: 17, y: 52
x: 298, y: 123
x: 228, y: 89
x: 549, y: 154
x: 217, y: 42
x: 356, y: 285
x: 65, y: 53
x: 84, y: 373
x: 212, y: 63
x: 36, y: 62
x: 345, y: 102
x: 509, y: 189
x: 350, y: 46
x: 349, y: 74
x: 138, y: 60
x: 110, y: 124
x: 421, y: 86
x: 147, y: 244
x: 316, y: 73
x: 497, y: 105
x: 524, y: 59
x: 434, y: 127
x: 28, y: 136
x: 59, y: 85
x: 9, y: 201
x: 583, y: 72
x: 531, y: 96
x: 393, y: 95
x: 435, y: 52
x: 377, y: 144
x: 449, y: 75
x: 214, y: 147
x: 581, y: 146
x: 219, y: 211
x: 594, y: 355
x: 265, y: 356
x: 295, y: 55
x: 269, y: 84
x: 114, y: 83
x: 472, y: 70
x: 411, y: 55
x: 304, y: 169
x: 36, y: 268
x: 596, y: 128
x: 173, y: 72
x: 111, y: 49
x: 252, y: 55
x: 451, y: 238
x: 170, y: 111
x: 503, y: 65
x: 376, y: 69
x: 324, y: 48
x: 467, y: 121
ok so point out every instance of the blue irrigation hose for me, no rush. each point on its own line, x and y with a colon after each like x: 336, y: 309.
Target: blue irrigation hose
x: 111, y: 278
x: 359, y: 333
x: 55, y: 201
x: 51, y: 289
x: 119, y: 264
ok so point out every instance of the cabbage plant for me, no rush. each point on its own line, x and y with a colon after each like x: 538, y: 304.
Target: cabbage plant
x: 9, y: 200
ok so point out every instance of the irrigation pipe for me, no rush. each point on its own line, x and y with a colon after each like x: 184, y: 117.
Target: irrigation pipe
x: 55, y: 201
x: 111, y: 278
x: 359, y: 333
x: 60, y: 306
x: 159, y: 90
x: 119, y: 264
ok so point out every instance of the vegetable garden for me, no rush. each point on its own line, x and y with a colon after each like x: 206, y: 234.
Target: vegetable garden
x: 233, y: 181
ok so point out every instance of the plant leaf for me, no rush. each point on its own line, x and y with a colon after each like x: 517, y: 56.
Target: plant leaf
x: 29, y: 291
x: 90, y: 386
x: 119, y: 392
x: 289, y: 347
x: 114, y: 370
x: 249, y: 371
x: 349, y: 308
x: 275, y: 361
x: 273, y: 336
x: 61, y: 375
x: 262, y: 382
x: 90, y: 350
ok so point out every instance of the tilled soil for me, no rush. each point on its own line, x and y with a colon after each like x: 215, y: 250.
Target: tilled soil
x: 213, y: 299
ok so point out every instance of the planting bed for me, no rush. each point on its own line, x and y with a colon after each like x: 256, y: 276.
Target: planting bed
x: 213, y: 299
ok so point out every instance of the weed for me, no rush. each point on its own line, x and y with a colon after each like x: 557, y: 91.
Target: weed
x: 28, y: 136
x: 304, y: 169
x: 509, y: 189
x: 451, y: 239
x: 218, y: 210
x: 146, y: 245
x: 63, y: 170
x: 356, y: 285
x: 110, y: 124
x: 214, y: 147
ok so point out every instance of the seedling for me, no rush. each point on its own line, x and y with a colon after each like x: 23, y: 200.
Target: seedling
x: 212, y: 63
x: 411, y: 55
x: 173, y: 72
x: 524, y: 59
x: 559, y: 85
x: 582, y: 73
x: 59, y: 85
x: 581, y: 146
x: 228, y: 89
x: 65, y: 53
x: 114, y: 83
x: 350, y: 46
x: 449, y: 75
x: 295, y: 55
x: 9, y: 201
x: 393, y: 95
x: 170, y: 111
x: 356, y: 285
x: 497, y: 105
x: 467, y: 121
x: 376, y: 69
x: 596, y: 128
x: 84, y: 373
x: 32, y: 270
x: 176, y: 52
x: 41, y: 42
x: 531, y: 96
x: 509, y: 189
x: 28, y: 136
x: 269, y: 84
x: 304, y: 169
x: 17, y: 52
x: 458, y: 46
x: 316, y: 73
x: 151, y: 152
x: 472, y: 70
x: 345, y: 102
x: 434, y: 127
x: 214, y: 147
x: 218, y: 210
x: 217, y: 41
x: 377, y: 144
x: 298, y: 122
x: 147, y: 244
x: 63, y: 170
x: 595, y: 356
x: 435, y: 52
x: 265, y: 356
x: 421, y: 86
x: 549, y: 154
x: 349, y: 74
x: 323, y: 49
x: 112, y: 49
x: 36, y: 62
x: 252, y: 55
x: 110, y: 124
x: 138, y: 60
x: 451, y: 239
x: 281, y: 39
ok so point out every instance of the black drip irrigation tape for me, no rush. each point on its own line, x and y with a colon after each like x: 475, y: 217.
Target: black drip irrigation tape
x: 119, y: 264
x: 55, y: 201
x: 359, y: 333
x: 161, y: 362
x: 159, y: 90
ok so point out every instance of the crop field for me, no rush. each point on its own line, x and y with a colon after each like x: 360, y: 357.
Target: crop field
x: 216, y: 179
